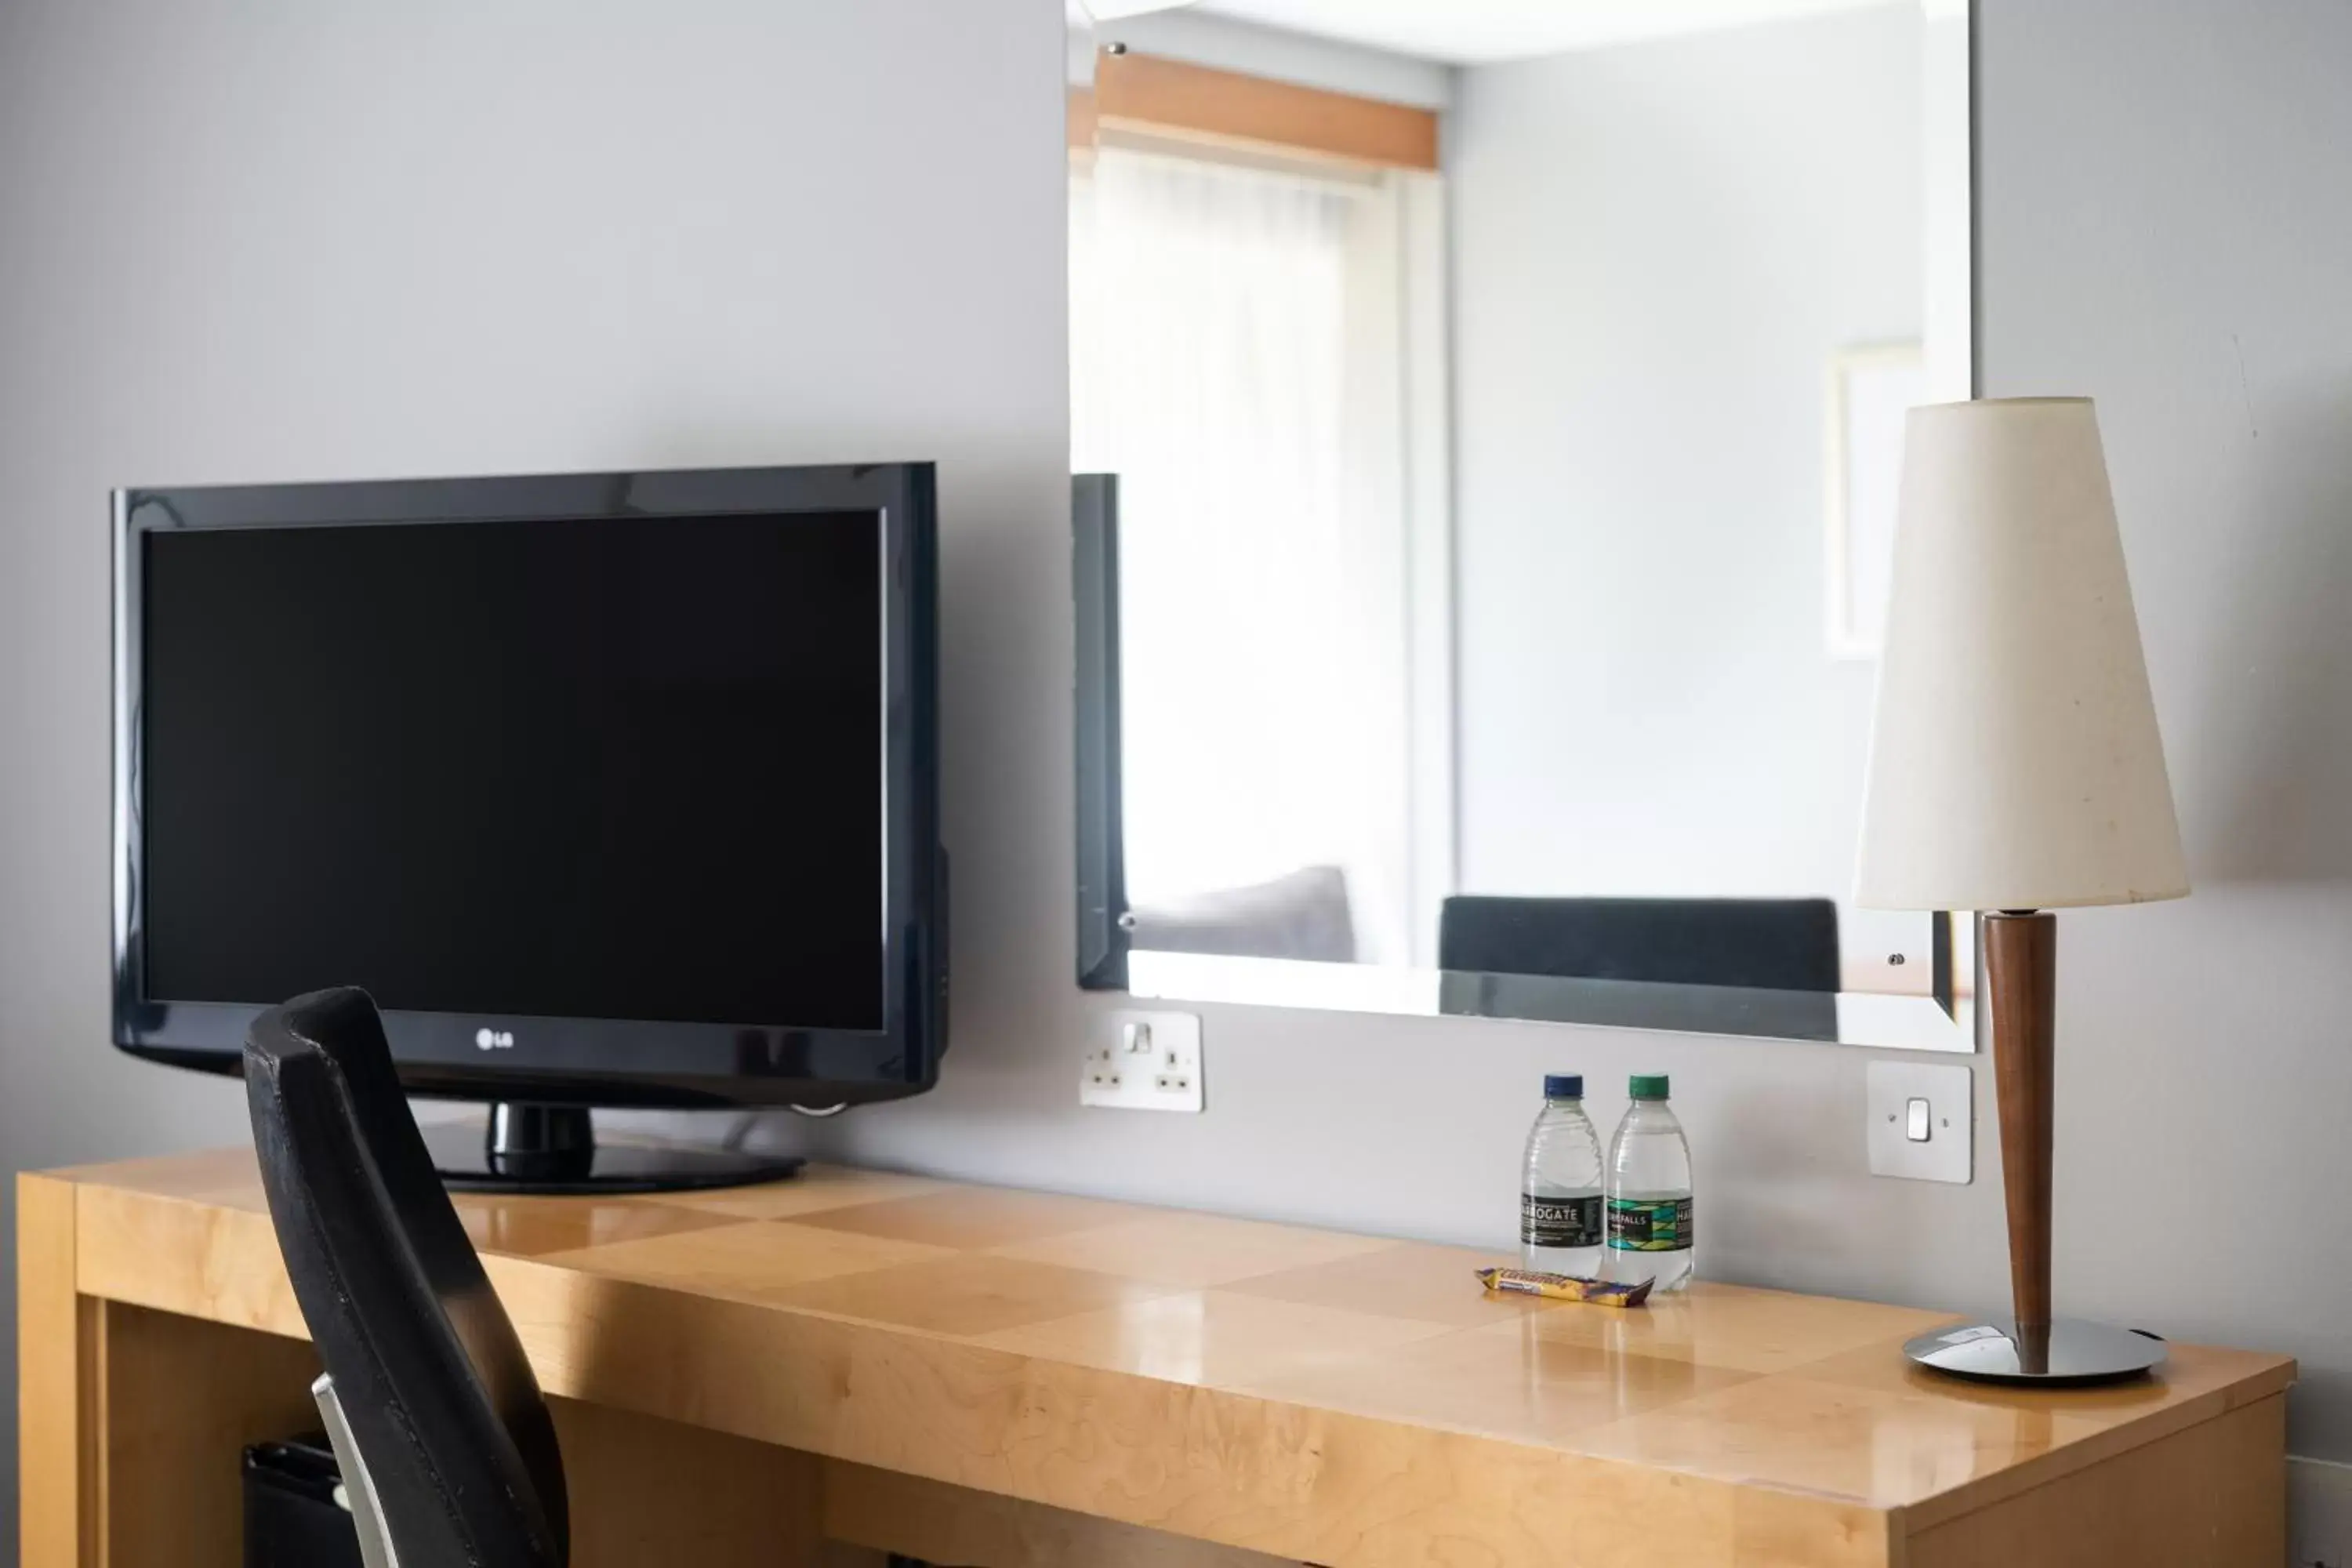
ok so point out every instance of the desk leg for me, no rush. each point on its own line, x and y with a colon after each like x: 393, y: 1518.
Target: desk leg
x: 54, y: 1328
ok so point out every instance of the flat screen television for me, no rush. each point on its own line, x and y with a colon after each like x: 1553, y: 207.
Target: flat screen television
x: 612, y: 790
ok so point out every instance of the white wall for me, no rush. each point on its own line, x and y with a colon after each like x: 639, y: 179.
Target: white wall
x: 247, y: 240
x: 224, y: 253
x: 1658, y: 246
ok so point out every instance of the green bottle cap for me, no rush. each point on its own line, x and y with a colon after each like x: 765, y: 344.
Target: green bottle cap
x: 1647, y: 1086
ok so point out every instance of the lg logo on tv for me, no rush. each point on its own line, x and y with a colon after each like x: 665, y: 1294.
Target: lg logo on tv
x: 494, y: 1039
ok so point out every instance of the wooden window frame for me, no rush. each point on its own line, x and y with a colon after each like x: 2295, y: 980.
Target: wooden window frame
x: 1173, y: 100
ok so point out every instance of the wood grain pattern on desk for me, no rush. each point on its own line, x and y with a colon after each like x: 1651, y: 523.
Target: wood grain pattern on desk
x: 1320, y: 1397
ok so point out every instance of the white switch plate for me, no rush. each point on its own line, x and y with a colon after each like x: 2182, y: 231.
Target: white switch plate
x: 1143, y: 1061
x: 1948, y: 1152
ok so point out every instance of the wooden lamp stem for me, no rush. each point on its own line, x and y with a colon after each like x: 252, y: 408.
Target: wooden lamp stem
x: 2021, y: 983
x: 2030, y: 1347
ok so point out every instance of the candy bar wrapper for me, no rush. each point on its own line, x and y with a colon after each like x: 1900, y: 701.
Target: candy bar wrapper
x: 1565, y: 1287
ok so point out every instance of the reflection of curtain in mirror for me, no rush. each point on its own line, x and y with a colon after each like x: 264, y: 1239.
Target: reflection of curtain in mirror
x: 1235, y: 362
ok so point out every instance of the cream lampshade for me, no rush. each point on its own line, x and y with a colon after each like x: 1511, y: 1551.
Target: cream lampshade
x: 2015, y: 764
x: 2015, y: 768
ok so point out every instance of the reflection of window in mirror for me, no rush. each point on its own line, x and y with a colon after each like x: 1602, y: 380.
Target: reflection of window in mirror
x: 1250, y: 327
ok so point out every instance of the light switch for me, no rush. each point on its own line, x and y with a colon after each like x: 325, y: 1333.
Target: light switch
x: 1136, y: 1035
x: 1921, y: 1120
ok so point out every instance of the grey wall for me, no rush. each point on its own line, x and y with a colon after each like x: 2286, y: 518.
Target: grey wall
x: 244, y: 240
x: 1657, y: 248
x: 224, y: 252
x: 2166, y: 225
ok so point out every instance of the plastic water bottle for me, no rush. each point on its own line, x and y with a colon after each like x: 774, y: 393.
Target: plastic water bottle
x: 1560, y: 1198
x: 1650, y: 1192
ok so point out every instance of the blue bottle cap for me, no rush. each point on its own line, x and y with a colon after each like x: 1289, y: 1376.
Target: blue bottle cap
x: 1564, y: 1085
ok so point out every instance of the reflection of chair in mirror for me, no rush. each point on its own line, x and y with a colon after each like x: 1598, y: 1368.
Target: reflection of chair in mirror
x: 1301, y: 915
x: 1773, y: 944
x: 1748, y: 965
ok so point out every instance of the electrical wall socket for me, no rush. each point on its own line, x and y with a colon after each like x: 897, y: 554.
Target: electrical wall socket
x: 1143, y: 1061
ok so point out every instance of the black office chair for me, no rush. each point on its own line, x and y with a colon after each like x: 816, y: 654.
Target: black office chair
x: 446, y: 1449
x: 1771, y: 944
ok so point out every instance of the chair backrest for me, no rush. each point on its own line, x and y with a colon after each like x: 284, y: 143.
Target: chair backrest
x: 1773, y: 944
x: 441, y: 1402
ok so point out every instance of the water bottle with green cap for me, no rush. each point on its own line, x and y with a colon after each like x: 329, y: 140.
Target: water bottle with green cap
x: 1649, y: 1191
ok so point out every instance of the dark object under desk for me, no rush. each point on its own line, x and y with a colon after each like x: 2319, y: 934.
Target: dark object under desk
x: 292, y: 1518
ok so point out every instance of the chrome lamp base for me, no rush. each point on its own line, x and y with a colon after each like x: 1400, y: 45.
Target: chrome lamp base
x: 2069, y: 1352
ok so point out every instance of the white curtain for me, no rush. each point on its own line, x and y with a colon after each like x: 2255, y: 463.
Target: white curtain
x: 1236, y: 346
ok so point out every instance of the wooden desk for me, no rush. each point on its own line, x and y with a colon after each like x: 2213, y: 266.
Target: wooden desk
x: 974, y: 1375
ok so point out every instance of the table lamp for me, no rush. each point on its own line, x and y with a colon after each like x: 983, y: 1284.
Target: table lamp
x: 2015, y: 769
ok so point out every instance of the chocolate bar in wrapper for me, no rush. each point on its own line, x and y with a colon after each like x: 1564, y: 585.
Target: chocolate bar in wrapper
x: 1565, y: 1287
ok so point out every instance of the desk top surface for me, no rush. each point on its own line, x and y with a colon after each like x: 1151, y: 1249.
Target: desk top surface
x: 1052, y: 1295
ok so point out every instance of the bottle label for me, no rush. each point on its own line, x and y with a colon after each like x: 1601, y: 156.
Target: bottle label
x: 1650, y: 1225
x: 1559, y: 1222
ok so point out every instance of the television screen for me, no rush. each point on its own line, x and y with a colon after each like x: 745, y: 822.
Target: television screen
x: 601, y: 767
x: 611, y: 789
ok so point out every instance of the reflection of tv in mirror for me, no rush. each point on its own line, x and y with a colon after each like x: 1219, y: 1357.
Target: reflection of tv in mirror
x: 1504, y: 500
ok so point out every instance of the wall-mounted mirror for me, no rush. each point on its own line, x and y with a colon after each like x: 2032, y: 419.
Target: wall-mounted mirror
x: 1488, y: 418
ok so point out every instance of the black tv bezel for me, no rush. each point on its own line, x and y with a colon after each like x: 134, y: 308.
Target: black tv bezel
x: 597, y: 1061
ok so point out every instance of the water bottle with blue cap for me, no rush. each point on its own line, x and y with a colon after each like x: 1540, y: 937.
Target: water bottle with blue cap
x: 1560, y: 1226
